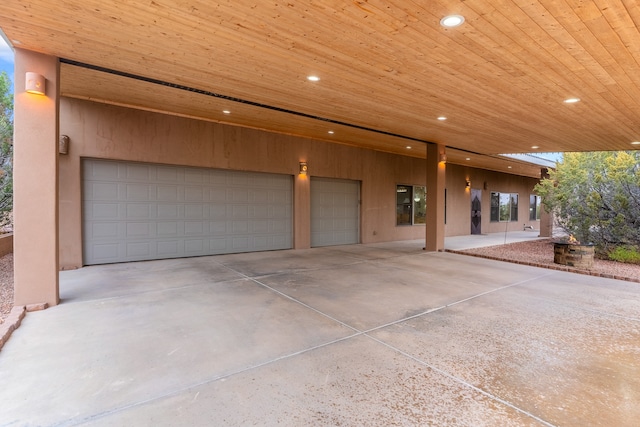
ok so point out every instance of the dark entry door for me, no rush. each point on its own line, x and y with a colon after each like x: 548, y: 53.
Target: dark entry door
x: 476, y: 210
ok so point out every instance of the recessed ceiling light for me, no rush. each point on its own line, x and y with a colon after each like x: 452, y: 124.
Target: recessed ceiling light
x: 313, y: 78
x: 452, y: 21
x: 468, y: 158
x: 408, y: 147
x: 509, y: 167
x: 226, y: 112
x: 442, y: 118
x: 571, y: 100
x: 330, y: 132
x: 535, y: 147
x: 635, y: 143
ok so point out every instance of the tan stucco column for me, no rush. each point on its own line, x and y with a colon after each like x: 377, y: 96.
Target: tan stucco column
x: 35, y: 182
x: 302, y: 212
x: 546, y: 218
x: 435, y: 198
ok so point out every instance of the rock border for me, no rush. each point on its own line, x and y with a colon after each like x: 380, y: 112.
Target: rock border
x: 14, y: 319
x: 548, y: 266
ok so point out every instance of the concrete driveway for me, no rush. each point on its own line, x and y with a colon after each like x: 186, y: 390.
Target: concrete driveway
x: 363, y: 335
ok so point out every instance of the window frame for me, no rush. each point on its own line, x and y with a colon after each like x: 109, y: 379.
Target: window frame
x: 504, y: 207
x: 535, y: 203
x: 415, y: 209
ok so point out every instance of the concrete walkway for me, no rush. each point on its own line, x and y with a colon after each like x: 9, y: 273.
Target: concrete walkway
x: 459, y: 243
x: 363, y: 335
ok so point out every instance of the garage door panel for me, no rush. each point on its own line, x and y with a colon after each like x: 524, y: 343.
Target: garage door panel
x: 167, y: 229
x: 103, y: 191
x: 165, y: 211
x: 104, y: 171
x: 139, y: 249
x: 143, y: 211
x: 167, y: 193
x: 167, y: 174
x: 168, y: 247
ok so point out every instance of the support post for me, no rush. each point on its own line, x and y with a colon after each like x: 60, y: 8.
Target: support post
x: 35, y: 177
x: 546, y: 218
x: 436, y: 168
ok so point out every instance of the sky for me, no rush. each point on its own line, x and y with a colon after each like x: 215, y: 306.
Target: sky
x: 6, y: 58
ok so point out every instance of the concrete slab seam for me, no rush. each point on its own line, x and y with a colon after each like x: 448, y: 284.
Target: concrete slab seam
x: 463, y: 382
x: 499, y: 289
x: 151, y: 291
x: 432, y: 310
x: 289, y: 297
x: 176, y: 392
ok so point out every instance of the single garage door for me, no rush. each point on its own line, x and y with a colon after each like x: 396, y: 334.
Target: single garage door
x: 136, y: 211
x: 335, y: 212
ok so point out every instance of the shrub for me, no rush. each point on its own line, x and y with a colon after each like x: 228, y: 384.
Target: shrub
x: 627, y: 254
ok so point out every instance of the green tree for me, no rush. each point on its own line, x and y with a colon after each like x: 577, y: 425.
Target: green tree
x: 6, y: 150
x: 596, y: 197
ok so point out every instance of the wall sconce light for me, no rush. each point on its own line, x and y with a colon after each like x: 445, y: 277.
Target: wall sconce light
x: 63, y: 144
x: 35, y: 83
x: 303, y: 168
x: 468, y: 184
x: 443, y: 158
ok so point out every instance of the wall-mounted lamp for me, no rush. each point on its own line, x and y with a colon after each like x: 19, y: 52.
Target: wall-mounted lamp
x: 63, y: 144
x: 468, y: 184
x: 303, y: 168
x: 443, y: 158
x: 35, y: 83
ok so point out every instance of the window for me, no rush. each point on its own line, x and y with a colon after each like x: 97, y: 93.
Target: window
x: 411, y: 204
x: 534, y: 208
x: 504, y: 207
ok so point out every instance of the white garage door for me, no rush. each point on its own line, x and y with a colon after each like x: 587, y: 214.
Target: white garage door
x: 335, y: 212
x: 137, y: 211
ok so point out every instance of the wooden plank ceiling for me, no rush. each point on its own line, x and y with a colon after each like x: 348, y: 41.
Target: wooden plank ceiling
x: 387, y: 69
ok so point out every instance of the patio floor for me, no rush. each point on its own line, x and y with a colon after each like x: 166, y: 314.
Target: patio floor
x: 376, y: 335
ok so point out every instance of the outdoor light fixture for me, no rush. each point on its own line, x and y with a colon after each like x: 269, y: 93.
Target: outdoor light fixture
x: 35, y: 83
x: 303, y: 168
x: 468, y: 184
x: 443, y: 158
x: 63, y: 144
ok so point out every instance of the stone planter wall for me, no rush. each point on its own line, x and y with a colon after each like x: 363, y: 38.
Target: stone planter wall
x: 6, y: 244
x: 574, y: 255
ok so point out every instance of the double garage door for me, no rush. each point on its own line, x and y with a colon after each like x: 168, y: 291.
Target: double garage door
x: 137, y: 211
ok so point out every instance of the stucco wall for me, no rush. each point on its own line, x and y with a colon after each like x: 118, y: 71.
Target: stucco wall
x: 459, y: 199
x: 111, y: 132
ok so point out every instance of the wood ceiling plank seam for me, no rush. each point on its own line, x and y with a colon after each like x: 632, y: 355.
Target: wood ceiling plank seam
x: 617, y: 67
x: 590, y: 45
x: 561, y: 35
x: 552, y: 46
x: 586, y: 78
x: 615, y: 59
x: 626, y: 49
x: 538, y: 56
